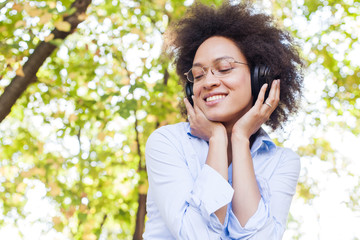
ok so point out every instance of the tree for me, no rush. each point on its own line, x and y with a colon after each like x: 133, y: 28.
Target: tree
x: 85, y: 90
x: 328, y: 34
x: 27, y: 74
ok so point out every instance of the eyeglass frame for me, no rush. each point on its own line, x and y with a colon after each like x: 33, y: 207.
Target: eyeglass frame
x: 206, y: 68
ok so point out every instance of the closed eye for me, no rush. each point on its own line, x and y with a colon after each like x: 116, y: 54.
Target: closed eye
x: 225, y: 70
x: 198, y: 77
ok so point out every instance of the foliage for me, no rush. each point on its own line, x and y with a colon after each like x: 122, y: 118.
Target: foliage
x: 74, y: 129
x: 79, y: 132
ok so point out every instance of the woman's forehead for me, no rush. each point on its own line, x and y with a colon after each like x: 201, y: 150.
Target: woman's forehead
x: 215, y: 61
x: 216, y: 48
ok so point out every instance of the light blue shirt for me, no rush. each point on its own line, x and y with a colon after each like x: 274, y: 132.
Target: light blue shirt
x: 184, y: 192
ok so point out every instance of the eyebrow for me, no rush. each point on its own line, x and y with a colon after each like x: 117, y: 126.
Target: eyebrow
x: 217, y: 59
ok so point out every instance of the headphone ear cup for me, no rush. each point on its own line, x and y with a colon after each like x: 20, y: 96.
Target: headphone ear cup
x: 189, y: 92
x: 255, y: 83
x: 266, y: 77
x: 259, y: 76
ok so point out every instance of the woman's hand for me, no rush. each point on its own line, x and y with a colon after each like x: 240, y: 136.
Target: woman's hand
x: 200, y: 125
x: 259, y: 113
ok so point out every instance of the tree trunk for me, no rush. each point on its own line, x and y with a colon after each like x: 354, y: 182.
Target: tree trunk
x: 140, y: 217
x: 141, y: 212
x: 20, y: 83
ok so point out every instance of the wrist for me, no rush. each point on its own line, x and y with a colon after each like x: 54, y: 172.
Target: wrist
x: 239, y: 138
x: 219, y: 134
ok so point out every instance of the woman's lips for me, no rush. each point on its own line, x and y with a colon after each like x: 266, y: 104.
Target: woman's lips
x: 215, y: 97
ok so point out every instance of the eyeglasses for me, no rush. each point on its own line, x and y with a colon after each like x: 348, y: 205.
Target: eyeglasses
x: 221, y: 68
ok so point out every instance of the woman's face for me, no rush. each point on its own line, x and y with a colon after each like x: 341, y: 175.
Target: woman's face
x: 222, y: 98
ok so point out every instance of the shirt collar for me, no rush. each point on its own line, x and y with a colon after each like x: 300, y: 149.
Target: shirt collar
x: 262, y: 142
x: 188, y: 130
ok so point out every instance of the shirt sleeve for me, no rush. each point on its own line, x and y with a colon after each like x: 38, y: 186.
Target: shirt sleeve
x: 187, y: 205
x: 269, y: 220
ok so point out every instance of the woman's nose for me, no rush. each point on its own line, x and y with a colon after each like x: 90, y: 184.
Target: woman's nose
x: 211, y: 80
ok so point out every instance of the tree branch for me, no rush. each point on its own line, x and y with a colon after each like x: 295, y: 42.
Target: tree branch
x: 20, y: 83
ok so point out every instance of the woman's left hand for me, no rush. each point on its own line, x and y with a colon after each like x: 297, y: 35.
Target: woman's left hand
x: 259, y: 113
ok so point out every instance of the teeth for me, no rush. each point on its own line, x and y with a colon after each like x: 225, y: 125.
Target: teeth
x: 215, y: 97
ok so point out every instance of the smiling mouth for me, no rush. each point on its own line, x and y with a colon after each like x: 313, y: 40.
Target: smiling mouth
x: 214, y: 98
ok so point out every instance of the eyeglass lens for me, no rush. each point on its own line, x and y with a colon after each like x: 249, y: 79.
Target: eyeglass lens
x: 220, y: 68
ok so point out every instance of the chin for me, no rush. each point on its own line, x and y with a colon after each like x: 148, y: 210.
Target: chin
x: 218, y: 117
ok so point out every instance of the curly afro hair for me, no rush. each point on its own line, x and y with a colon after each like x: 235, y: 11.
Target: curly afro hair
x: 258, y: 38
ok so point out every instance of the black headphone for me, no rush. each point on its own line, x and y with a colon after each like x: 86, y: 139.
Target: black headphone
x: 260, y: 75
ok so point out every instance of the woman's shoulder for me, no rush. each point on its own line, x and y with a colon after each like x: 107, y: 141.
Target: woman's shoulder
x: 171, y: 131
x: 168, y: 139
x: 289, y: 159
x: 288, y: 153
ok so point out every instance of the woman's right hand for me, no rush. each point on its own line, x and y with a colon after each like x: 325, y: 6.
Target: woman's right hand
x: 201, y: 126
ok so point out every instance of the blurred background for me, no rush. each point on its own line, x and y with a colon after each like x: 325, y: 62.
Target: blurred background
x: 84, y: 83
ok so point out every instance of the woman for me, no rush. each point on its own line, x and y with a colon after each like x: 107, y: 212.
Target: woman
x: 219, y: 175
